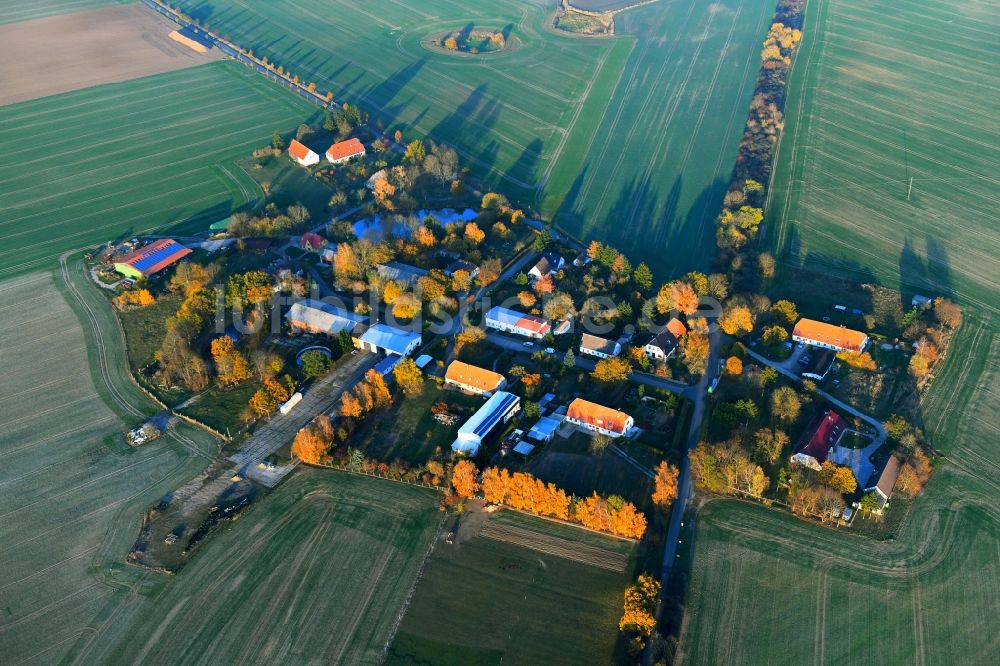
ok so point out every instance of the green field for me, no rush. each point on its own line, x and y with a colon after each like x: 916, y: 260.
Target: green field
x: 71, y: 492
x: 882, y: 93
x: 316, y: 572
x: 483, y: 601
x: 629, y: 139
x: 12, y: 11
x: 151, y: 153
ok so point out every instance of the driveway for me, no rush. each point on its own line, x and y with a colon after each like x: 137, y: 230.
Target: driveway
x: 321, y: 398
x: 880, y: 435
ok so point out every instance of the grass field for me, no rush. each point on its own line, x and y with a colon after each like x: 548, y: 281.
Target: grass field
x: 488, y: 602
x: 12, y: 11
x: 628, y: 139
x: 880, y: 95
x: 151, y: 153
x: 71, y: 492
x: 316, y: 572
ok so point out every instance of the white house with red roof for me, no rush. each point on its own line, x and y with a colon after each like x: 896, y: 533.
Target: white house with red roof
x: 301, y: 153
x: 512, y: 321
x: 343, y: 151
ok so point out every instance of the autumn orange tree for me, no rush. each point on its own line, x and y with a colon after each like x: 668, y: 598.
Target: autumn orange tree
x: 463, y: 478
x: 230, y: 364
x: 134, y: 298
x: 310, y: 444
x: 474, y: 234
x: 734, y: 366
x: 696, y: 351
x: 665, y: 490
x: 641, y: 599
x: 678, y: 296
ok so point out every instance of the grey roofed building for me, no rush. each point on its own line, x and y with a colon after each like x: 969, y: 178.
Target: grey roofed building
x: 397, y: 272
x: 594, y: 345
x: 883, y: 480
x: 319, y: 317
x: 819, y: 364
x: 544, y: 429
x: 385, y: 338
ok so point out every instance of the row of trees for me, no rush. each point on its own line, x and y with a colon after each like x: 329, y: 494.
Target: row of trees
x: 523, y: 491
x: 743, y: 205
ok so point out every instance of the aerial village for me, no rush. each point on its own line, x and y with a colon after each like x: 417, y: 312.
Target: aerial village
x: 410, y: 326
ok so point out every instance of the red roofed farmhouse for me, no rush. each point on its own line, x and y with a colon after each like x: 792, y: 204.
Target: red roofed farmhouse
x: 591, y: 416
x: 822, y: 435
x: 345, y: 150
x: 474, y: 379
x: 828, y: 336
x: 301, y: 154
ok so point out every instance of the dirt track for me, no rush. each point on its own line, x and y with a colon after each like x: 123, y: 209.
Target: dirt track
x: 553, y: 545
x: 73, y: 51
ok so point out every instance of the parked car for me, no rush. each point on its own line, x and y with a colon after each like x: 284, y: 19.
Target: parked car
x: 528, y: 344
x: 550, y: 350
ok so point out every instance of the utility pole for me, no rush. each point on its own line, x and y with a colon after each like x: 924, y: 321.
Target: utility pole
x: 909, y: 189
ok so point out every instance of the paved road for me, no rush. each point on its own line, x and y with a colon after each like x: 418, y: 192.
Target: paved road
x: 322, y: 397
x: 684, y: 486
x: 585, y: 363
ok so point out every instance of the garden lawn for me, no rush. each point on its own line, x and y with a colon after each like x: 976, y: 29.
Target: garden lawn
x: 407, y: 430
x: 115, y: 160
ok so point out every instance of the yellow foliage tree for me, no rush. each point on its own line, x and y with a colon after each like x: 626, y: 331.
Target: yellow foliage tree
x: 737, y: 321
x: 409, y: 377
x: 641, y: 600
x: 310, y: 445
x: 665, y: 490
x: 474, y: 234
x: 611, y: 370
x: 463, y: 478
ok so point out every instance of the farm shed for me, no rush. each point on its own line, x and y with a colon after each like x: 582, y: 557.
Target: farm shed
x: 544, y: 430
x: 399, y: 272
x: 345, y: 150
x: 151, y: 258
x: 512, y: 321
x: 318, y: 317
x: 499, y: 409
x: 390, y: 340
x: 593, y: 345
